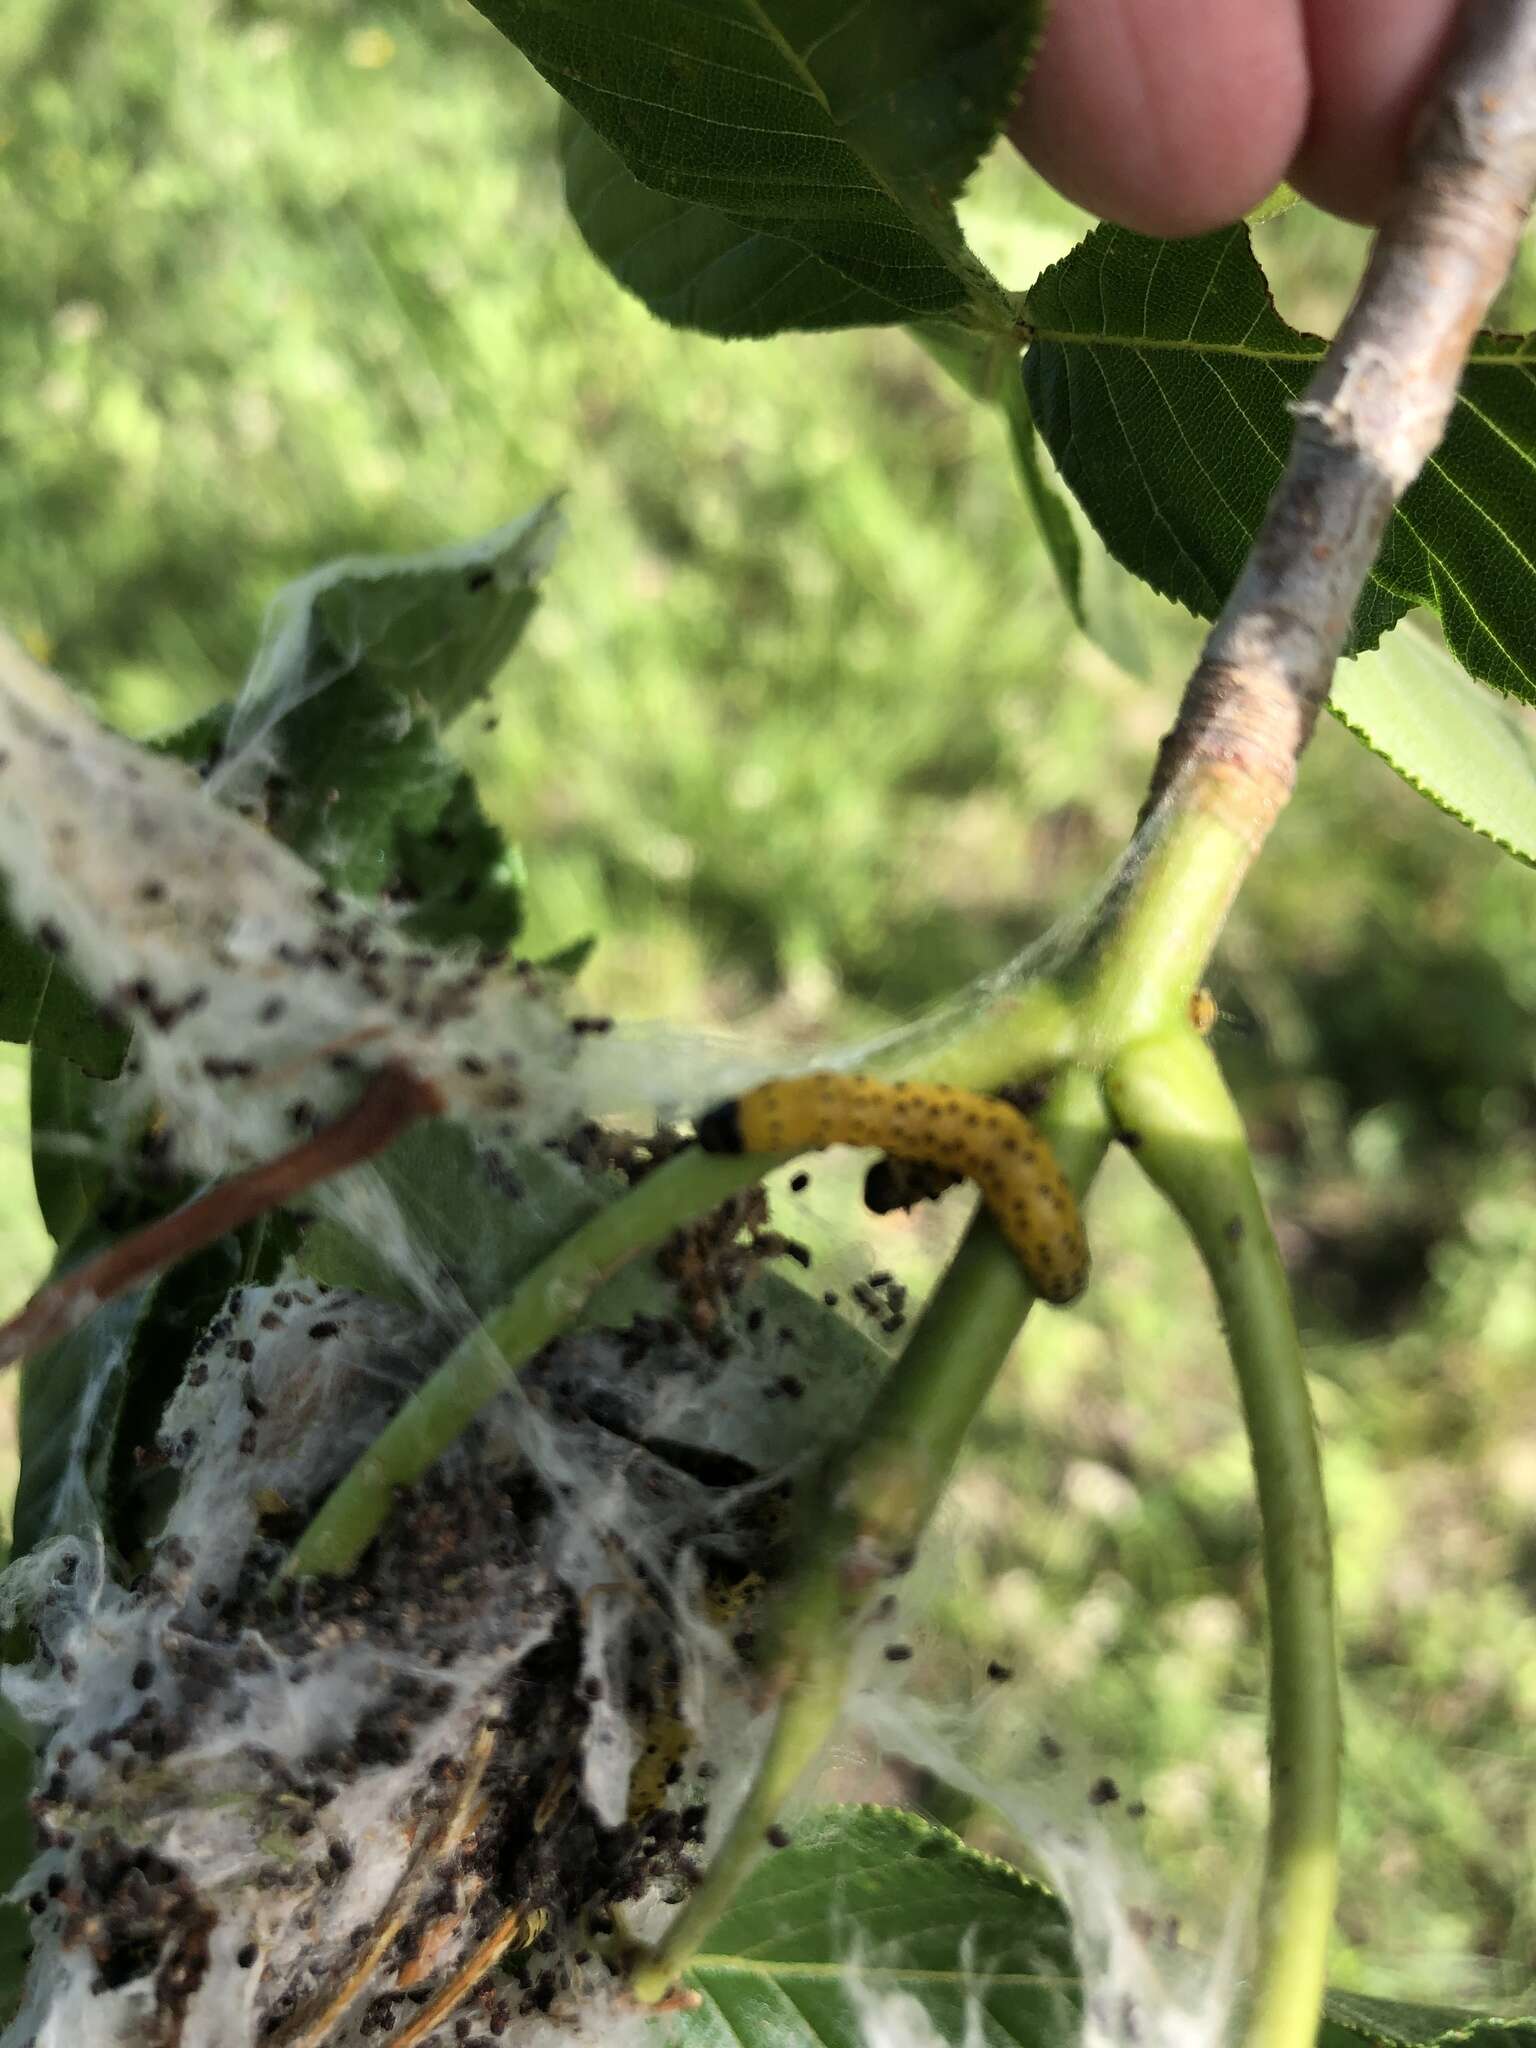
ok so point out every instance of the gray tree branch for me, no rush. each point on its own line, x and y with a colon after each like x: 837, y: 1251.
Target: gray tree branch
x: 1373, y: 415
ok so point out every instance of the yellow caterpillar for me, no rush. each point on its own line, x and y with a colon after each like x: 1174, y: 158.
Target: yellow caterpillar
x: 987, y: 1141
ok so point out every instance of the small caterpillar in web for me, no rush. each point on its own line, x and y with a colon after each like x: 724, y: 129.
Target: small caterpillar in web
x: 987, y: 1141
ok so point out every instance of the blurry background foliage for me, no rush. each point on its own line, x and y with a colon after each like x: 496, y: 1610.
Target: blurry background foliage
x: 802, y: 732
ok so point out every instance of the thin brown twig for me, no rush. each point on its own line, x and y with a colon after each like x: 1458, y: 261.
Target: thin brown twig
x: 468, y: 1975
x: 1371, y: 418
x: 314, y: 2022
x: 394, y: 1099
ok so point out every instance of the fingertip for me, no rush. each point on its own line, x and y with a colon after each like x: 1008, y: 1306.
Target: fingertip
x: 1371, y: 63
x: 1172, y: 119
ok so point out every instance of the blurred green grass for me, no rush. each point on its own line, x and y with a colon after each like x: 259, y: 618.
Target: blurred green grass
x: 803, y: 734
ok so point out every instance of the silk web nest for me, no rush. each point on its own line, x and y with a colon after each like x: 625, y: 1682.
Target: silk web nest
x: 518, y: 1727
x: 526, y: 1716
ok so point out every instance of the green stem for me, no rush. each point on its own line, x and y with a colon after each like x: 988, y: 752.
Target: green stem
x: 1182, y: 873
x: 255, y: 1245
x: 912, y: 1434
x: 1172, y: 1106
x: 869, y: 1513
x: 811, y: 1666
x: 1025, y: 1031
x: 548, y: 1299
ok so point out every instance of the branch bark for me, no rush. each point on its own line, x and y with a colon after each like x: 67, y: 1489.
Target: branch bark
x: 1372, y: 417
x: 394, y: 1099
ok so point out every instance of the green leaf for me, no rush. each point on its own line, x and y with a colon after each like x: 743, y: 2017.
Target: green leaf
x: 371, y: 798
x: 1161, y: 375
x: 694, y: 266
x: 1412, y: 704
x: 847, y: 132
x: 75, y: 1026
x: 1351, y: 2017
x: 71, y: 1399
x: 131, y: 1498
x: 70, y: 1166
x: 458, y: 873
x: 984, y: 366
x: 877, y: 1896
x: 362, y: 664
x: 1051, y: 514
x: 41, y: 1004
x: 25, y: 970
x: 435, y: 628
x: 89, y: 1401
x: 16, y: 1854
x: 478, y: 1224
x: 570, y: 959
x: 1279, y: 202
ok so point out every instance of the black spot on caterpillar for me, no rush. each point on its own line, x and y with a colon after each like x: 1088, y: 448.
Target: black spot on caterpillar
x: 973, y: 1136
